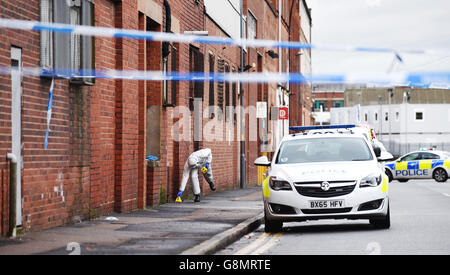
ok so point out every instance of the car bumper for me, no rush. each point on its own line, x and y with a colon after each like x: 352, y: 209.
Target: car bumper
x: 290, y: 206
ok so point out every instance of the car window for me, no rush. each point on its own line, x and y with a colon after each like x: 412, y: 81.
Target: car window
x: 410, y: 157
x: 430, y: 156
x: 324, y: 150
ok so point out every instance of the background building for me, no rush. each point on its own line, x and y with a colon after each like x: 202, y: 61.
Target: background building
x: 415, y: 118
x: 327, y: 96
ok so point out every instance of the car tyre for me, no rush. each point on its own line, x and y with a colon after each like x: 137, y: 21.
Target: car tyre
x: 383, y: 223
x: 440, y: 175
x: 272, y: 226
x: 389, y: 175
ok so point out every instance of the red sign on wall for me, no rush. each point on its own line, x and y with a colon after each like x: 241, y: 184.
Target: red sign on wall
x: 283, y: 113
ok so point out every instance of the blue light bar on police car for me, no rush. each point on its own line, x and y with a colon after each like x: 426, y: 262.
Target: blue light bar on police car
x: 309, y: 128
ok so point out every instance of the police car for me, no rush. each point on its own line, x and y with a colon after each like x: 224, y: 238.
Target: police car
x: 420, y: 165
x: 334, y: 175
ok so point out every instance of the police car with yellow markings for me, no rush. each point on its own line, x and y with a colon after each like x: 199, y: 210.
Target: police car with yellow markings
x: 422, y: 164
x: 335, y: 175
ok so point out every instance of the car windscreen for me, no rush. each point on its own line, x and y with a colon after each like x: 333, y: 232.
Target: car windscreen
x: 324, y: 150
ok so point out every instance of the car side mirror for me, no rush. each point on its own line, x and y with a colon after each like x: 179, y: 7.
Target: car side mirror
x: 262, y: 161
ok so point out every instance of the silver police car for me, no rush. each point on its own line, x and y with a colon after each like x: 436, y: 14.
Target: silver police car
x: 420, y: 165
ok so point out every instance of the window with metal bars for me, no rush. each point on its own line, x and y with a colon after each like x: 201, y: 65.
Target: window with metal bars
x: 170, y: 64
x: 234, y: 99
x: 196, y: 64
x: 211, y: 87
x: 220, y: 88
x: 61, y: 51
x: 227, y: 95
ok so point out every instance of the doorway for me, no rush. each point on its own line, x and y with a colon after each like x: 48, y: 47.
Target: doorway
x: 16, y: 127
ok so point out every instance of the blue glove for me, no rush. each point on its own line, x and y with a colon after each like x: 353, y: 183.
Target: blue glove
x: 180, y: 194
x: 207, y: 166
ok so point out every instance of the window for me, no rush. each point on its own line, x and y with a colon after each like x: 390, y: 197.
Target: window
x: 196, y: 64
x: 386, y: 116
x: 220, y: 88
x: 366, y: 117
x: 321, y: 106
x: 170, y: 87
x: 324, y: 150
x: 430, y: 156
x: 46, y: 14
x: 61, y: 51
x: 410, y: 157
x: 376, y: 116
x: 227, y: 95
x: 234, y: 99
x: 338, y: 104
x: 397, y: 116
x: 419, y: 116
x: 75, y: 40
x: 211, y: 87
x: 252, y: 26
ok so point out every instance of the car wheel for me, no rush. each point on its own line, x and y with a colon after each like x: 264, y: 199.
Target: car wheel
x: 389, y: 175
x: 272, y: 226
x: 403, y: 180
x: 440, y: 175
x: 383, y: 223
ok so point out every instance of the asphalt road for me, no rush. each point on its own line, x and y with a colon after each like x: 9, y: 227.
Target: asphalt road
x: 420, y: 224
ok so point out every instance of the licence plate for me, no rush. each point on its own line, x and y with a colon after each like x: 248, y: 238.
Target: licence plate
x: 327, y: 204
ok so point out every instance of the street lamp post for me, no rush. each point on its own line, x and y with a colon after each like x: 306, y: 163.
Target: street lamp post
x: 242, y: 113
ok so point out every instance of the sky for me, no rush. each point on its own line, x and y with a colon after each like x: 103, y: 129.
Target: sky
x: 399, y: 24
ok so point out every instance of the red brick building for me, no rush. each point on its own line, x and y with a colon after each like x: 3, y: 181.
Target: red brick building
x: 102, y: 130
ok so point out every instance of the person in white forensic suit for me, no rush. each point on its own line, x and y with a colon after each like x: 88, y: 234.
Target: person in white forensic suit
x: 198, y: 160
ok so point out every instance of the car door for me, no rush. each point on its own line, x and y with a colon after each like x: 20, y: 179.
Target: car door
x: 405, y: 167
x: 428, y: 163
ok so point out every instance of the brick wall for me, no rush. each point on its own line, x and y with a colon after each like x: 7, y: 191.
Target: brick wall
x: 54, y: 181
x: 103, y: 113
x: 99, y: 135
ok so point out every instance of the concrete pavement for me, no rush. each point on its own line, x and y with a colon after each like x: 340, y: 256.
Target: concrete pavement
x: 171, y: 229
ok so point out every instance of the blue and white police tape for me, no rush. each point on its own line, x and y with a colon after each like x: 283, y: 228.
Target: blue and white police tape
x: 183, y: 38
x: 414, y: 79
x: 49, y: 113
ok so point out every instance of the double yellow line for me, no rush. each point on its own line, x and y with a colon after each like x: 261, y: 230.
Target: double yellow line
x: 259, y: 246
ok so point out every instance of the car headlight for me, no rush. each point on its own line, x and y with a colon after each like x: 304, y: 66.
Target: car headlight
x: 371, y: 181
x: 279, y: 185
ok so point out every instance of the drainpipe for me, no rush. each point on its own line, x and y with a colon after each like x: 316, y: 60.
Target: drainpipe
x: 12, y: 194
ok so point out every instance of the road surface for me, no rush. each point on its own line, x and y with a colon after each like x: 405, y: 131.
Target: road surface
x: 420, y: 224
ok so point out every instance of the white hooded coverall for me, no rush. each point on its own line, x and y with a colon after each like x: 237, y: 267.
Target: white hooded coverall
x: 196, y: 161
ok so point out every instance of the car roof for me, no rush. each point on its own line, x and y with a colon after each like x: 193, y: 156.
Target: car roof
x: 428, y: 151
